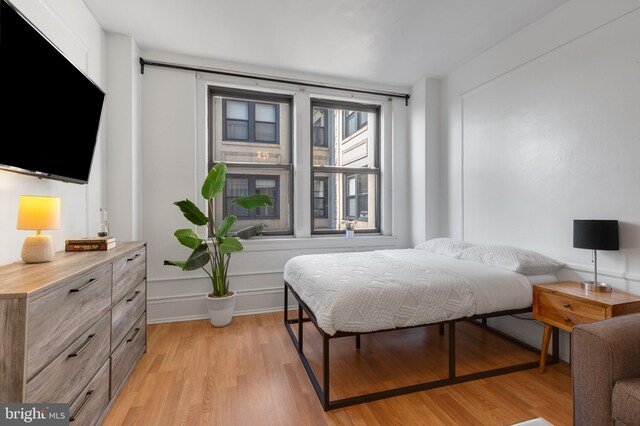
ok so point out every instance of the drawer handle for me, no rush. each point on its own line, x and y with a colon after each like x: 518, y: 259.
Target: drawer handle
x: 87, y: 397
x: 131, y: 259
x: 83, y: 347
x: 130, y: 339
x: 135, y: 294
x: 91, y: 281
x: 566, y: 319
x: 566, y: 304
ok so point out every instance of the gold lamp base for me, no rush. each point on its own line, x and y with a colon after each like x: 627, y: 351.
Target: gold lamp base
x: 38, y: 249
x: 596, y: 286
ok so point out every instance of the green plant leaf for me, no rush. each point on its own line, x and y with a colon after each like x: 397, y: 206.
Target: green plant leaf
x: 188, y: 238
x: 226, y: 224
x: 253, y: 201
x: 214, y: 182
x: 199, y: 258
x: 250, y: 231
x: 192, y: 212
x: 229, y: 245
x: 179, y: 263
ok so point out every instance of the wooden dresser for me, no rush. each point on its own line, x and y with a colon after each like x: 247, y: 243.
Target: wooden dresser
x: 71, y: 330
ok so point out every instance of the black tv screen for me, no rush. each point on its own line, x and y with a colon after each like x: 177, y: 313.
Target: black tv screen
x: 52, y: 110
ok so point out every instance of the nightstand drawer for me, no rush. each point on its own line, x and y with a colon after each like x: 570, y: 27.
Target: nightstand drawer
x: 561, y: 318
x: 572, y: 306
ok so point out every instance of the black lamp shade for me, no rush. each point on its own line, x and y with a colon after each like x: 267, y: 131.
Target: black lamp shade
x: 596, y: 234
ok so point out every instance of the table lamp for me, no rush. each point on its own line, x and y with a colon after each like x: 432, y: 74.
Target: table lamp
x: 596, y: 235
x: 38, y: 213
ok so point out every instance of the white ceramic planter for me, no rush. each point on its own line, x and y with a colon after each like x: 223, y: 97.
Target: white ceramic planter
x: 221, y: 309
x: 350, y: 233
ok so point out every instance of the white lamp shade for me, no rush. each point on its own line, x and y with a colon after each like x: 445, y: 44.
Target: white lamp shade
x: 37, y: 213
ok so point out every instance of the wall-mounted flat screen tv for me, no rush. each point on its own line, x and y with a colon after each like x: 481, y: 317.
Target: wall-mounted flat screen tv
x: 50, y: 109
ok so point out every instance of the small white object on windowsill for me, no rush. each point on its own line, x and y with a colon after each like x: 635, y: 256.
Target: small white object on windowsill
x: 349, y: 226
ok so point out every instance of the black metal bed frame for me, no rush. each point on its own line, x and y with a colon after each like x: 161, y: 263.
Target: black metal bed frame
x: 323, y: 391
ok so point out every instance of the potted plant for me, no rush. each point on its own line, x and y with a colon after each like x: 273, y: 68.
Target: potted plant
x: 213, y: 253
x: 349, y: 226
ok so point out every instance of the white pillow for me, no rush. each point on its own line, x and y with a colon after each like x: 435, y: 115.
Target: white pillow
x: 515, y: 259
x: 444, y: 246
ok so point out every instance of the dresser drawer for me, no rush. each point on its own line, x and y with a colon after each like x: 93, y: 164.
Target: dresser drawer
x: 128, y: 271
x: 88, y: 407
x: 58, y: 318
x: 571, y: 305
x: 62, y: 379
x: 125, y: 356
x: 126, y: 313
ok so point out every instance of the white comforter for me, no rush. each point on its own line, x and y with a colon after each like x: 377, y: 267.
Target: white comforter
x: 384, y: 289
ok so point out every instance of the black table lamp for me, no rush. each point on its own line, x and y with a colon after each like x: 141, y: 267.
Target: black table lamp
x: 596, y: 235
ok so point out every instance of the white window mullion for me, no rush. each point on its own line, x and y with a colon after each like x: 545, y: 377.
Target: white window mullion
x: 301, y: 164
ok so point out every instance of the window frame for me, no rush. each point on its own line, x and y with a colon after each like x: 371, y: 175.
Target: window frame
x: 325, y: 140
x: 265, y: 97
x: 325, y: 199
x: 375, y: 169
x: 251, y: 122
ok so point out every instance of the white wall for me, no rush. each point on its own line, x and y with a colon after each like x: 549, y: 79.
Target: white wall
x: 543, y: 128
x: 424, y: 160
x: 174, y: 147
x: 123, y: 137
x: 69, y: 25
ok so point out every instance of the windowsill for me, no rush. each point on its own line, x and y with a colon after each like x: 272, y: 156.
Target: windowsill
x: 320, y: 242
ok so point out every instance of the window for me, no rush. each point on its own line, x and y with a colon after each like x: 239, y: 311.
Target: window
x: 243, y: 185
x: 357, y: 197
x: 250, y: 121
x: 320, y: 198
x: 345, y: 171
x: 320, y: 135
x: 261, y: 164
x: 353, y: 121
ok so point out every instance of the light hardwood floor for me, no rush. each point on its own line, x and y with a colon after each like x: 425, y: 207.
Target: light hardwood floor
x: 249, y: 373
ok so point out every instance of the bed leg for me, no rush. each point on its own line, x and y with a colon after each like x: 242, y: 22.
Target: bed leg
x: 452, y: 350
x: 484, y: 322
x: 286, y: 304
x: 357, y: 341
x: 441, y: 329
x: 300, y: 323
x: 325, y: 371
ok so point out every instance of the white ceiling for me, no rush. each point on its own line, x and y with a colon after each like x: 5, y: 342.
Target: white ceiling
x: 394, y: 42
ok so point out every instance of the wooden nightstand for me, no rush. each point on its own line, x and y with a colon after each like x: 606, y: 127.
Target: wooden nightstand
x: 565, y: 304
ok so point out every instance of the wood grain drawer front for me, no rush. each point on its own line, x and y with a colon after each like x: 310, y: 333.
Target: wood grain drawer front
x: 128, y: 271
x: 58, y: 318
x: 64, y: 377
x: 572, y: 305
x: 125, y: 356
x: 561, y: 318
x: 126, y: 313
x: 87, y: 408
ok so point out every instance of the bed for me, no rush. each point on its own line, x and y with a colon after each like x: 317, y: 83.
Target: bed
x: 350, y: 294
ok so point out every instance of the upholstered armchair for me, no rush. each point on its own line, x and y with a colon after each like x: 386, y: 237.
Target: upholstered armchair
x: 605, y: 364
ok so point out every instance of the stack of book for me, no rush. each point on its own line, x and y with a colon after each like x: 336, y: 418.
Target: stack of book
x: 90, y: 244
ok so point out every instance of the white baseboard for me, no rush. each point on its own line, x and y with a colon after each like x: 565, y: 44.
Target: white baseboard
x: 190, y: 307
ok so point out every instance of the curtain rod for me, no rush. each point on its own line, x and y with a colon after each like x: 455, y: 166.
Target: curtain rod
x: 144, y: 62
